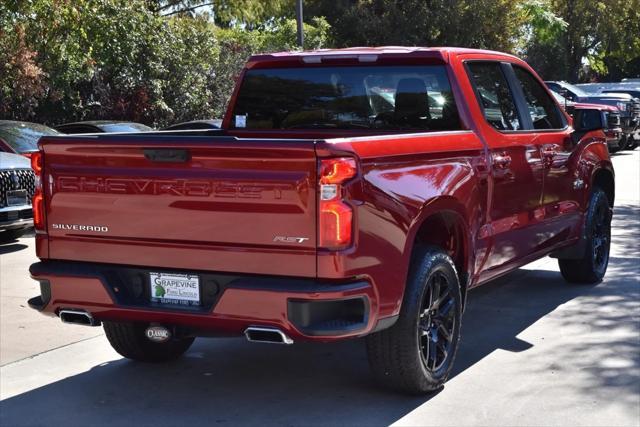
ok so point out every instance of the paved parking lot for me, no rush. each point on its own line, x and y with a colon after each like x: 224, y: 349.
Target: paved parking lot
x: 535, y: 351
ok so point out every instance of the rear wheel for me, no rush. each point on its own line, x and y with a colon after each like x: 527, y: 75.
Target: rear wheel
x: 593, y: 265
x: 130, y: 341
x: 416, y: 354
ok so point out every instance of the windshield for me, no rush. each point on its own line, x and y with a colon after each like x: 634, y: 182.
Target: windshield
x: 23, y: 137
x: 364, y: 97
x: 575, y: 89
x: 124, y: 127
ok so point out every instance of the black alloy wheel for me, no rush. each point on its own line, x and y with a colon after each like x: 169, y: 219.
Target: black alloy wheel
x: 437, y: 322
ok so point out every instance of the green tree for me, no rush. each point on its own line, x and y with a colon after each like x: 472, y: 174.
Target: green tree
x: 227, y: 13
x: 493, y: 24
x: 601, y: 34
x: 63, y: 60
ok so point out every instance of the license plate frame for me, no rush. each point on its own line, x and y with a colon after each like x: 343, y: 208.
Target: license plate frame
x: 17, y: 198
x: 175, y: 289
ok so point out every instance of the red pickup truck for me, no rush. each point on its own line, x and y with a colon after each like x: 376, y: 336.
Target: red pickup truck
x: 349, y: 193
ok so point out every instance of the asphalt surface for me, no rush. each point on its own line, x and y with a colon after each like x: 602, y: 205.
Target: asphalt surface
x: 535, y: 351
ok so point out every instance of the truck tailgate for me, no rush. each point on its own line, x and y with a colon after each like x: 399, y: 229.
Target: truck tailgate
x: 183, y: 202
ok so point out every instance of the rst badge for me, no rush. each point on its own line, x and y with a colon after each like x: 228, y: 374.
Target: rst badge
x: 288, y: 239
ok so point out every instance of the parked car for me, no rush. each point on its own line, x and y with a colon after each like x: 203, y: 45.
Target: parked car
x: 628, y: 106
x: 196, y: 124
x: 17, y: 186
x: 633, y: 139
x: 102, y: 126
x: 320, y: 214
x: 608, y: 115
x: 22, y: 137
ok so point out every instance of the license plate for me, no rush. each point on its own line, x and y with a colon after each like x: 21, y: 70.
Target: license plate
x: 17, y: 198
x: 176, y: 289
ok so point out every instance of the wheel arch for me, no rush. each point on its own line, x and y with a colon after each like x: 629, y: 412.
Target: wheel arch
x: 442, y: 223
x: 603, y: 178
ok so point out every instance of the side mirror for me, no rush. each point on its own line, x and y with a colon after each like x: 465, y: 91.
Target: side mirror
x: 588, y: 120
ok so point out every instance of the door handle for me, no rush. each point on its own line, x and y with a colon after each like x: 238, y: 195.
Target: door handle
x: 167, y: 155
x: 501, y: 161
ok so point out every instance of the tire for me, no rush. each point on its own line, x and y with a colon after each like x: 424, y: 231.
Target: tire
x: 400, y: 356
x: 592, y: 267
x: 632, y: 145
x: 10, y: 235
x: 129, y: 340
x: 624, y: 141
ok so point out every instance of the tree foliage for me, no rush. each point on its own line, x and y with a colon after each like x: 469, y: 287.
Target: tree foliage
x: 162, y: 61
x: 493, y: 24
x: 63, y: 60
x: 605, y: 35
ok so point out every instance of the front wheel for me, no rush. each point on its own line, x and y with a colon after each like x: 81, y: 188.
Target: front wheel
x: 130, y: 341
x: 593, y: 264
x: 416, y: 354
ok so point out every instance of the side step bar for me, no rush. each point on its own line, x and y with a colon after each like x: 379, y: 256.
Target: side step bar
x: 267, y: 335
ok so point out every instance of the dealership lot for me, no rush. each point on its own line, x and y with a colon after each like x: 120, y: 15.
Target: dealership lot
x: 535, y: 351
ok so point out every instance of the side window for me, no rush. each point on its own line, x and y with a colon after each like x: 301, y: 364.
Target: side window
x: 494, y: 95
x: 543, y: 111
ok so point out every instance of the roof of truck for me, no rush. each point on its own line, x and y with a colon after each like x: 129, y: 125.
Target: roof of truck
x: 413, y: 51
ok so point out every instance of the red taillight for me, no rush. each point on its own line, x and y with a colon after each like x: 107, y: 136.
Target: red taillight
x: 335, y: 224
x: 38, y: 211
x: 337, y: 171
x: 38, y: 197
x: 336, y: 216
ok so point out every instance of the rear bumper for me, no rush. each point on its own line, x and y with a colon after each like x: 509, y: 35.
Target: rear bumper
x: 15, y: 218
x: 305, y: 309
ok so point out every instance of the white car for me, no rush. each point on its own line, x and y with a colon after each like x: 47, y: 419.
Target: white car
x: 17, y: 184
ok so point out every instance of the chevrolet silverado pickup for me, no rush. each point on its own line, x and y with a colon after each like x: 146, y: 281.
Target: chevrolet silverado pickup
x: 358, y: 192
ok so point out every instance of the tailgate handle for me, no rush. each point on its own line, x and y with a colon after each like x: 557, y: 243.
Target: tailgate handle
x: 167, y: 155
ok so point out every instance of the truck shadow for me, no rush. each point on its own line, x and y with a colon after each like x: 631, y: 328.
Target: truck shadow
x: 229, y: 381
x: 10, y: 247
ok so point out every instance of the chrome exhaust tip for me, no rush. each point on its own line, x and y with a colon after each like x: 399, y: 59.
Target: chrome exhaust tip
x: 77, y: 317
x: 266, y: 335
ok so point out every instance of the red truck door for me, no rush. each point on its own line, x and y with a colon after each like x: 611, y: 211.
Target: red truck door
x: 517, y: 167
x: 560, y: 207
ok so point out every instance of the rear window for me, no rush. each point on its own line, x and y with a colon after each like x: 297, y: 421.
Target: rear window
x: 365, y: 97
